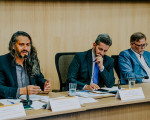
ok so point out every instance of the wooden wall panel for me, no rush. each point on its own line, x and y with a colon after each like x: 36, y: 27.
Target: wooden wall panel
x: 69, y: 26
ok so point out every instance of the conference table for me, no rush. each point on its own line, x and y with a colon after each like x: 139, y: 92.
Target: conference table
x: 109, y: 108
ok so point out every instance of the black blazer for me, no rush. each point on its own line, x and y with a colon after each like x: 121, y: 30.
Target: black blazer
x: 8, y: 77
x: 80, y: 70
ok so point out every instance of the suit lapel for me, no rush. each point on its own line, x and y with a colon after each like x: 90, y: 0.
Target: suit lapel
x: 13, y: 70
x: 146, y: 59
x: 104, y: 61
x: 90, y: 64
x: 134, y: 56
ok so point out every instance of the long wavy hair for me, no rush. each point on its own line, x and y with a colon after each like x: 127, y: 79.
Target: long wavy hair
x: 32, y: 63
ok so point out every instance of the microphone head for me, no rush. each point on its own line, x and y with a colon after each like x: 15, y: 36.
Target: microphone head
x: 25, y: 57
x: 146, y: 77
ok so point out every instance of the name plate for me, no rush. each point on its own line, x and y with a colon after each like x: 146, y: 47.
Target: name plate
x: 64, y: 103
x: 130, y: 94
x: 12, y: 111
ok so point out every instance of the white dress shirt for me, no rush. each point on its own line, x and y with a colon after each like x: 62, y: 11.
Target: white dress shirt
x: 144, y: 64
x: 93, y: 65
x: 93, y: 59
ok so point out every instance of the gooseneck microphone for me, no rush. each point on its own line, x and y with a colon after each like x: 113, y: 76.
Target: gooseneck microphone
x: 26, y: 103
x: 119, y: 87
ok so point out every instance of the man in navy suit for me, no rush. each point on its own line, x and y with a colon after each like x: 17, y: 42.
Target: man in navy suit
x: 93, y: 69
x: 16, y: 74
x: 135, y: 62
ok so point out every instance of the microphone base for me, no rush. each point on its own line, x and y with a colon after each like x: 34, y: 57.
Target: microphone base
x: 27, y: 103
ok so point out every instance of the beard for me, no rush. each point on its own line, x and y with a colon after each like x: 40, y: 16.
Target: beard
x: 96, y: 54
x: 19, y: 53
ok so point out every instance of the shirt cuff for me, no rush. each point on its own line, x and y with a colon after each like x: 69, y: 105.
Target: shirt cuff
x: 84, y: 87
x: 102, y: 69
x: 18, y: 93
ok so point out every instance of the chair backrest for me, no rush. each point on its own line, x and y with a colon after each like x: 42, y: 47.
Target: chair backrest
x: 116, y: 67
x: 62, y: 62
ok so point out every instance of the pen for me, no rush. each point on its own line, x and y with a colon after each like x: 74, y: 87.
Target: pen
x: 10, y: 102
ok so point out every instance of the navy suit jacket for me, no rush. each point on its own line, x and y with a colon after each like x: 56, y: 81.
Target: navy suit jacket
x: 80, y: 70
x: 8, y: 77
x: 130, y: 66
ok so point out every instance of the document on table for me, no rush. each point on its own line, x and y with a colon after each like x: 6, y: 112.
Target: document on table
x: 64, y: 103
x: 37, y: 105
x: 104, y: 90
x: 84, y: 100
x: 36, y: 97
x: 88, y: 94
x: 12, y: 111
x: 110, y: 89
x: 37, y: 100
x: 9, y: 101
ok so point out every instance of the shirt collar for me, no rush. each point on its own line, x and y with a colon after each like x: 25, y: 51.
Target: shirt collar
x: 137, y: 54
x: 93, y: 56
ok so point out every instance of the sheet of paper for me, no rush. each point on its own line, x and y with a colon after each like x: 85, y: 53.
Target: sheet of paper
x: 83, y: 100
x: 64, y: 103
x: 37, y: 105
x: 130, y: 94
x: 105, y: 90
x: 35, y: 97
x: 111, y: 89
x: 9, y: 101
x: 12, y: 111
x: 91, y: 94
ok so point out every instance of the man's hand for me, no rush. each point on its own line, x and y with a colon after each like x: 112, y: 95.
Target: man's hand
x: 47, y: 86
x: 32, y: 89
x: 91, y: 87
x: 99, y: 60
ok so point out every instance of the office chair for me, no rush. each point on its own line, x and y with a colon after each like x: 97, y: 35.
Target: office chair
x: 116, y: 67
x: 62, y: 62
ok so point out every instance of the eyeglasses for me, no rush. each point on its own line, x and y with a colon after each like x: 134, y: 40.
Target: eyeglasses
x: 143, y: 45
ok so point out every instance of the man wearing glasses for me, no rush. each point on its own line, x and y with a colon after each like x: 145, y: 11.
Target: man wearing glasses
x: 135, y: 62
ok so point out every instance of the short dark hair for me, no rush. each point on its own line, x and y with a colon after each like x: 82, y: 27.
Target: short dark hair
x: 104, y: 38
x: 137, y: 36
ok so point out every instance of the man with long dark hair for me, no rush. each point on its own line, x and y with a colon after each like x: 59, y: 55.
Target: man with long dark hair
x: 20, y: 68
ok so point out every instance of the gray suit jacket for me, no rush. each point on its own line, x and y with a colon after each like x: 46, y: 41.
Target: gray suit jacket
x: 80, y: 70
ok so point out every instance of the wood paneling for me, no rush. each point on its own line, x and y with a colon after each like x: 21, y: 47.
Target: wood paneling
x: 69, y: 26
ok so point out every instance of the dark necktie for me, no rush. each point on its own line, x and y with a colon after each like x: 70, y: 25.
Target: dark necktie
x: 95, y: 75
x: 140, y: 55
